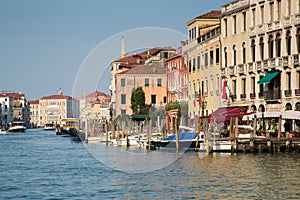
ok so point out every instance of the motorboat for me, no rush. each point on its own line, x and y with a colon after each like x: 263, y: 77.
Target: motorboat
x: 49, y: 126
x: 17, y: 126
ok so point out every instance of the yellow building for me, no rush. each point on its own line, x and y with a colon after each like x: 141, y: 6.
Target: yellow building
x: 34, y: 113
x: 203, y: 64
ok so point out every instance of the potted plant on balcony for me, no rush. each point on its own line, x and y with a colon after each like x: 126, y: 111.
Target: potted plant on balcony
x: 292, y: 133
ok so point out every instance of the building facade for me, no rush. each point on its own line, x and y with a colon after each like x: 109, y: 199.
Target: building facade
x: 21, y: 109
x: 53, y: 108
x: 261, y: 46
x: 34, y: 113
x: 152, y: 79
x: 202, y: 56
x: 7, y: 103
x: 156, y: 55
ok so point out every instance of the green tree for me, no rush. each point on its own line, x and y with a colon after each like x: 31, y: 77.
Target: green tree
x: 138, y: 99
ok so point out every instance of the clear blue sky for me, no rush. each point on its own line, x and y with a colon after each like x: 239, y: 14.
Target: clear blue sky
x: 43, y: 43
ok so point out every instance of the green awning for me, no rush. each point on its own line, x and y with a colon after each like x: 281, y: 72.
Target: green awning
x: 268, y: 77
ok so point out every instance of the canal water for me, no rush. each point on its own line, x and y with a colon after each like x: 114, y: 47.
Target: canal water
x: 40, y: 165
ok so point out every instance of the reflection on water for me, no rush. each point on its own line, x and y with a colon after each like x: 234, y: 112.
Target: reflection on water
x: 41, y: 165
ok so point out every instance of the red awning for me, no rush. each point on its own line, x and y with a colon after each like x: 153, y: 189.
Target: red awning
x: 224, y: 114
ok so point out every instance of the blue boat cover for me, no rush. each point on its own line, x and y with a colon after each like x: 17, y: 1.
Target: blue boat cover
x: 183, y: 136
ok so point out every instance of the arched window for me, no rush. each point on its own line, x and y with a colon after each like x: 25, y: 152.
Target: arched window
x: 297, y: 106
x: 234, y: 54
x: 225, y: 57
x: 271, y: 46
x: 244, y: 53
x: 253, y: 50
x: 261, y: 108
x: 288, y: 43
x: 278, y: 45
x: 298, y: 40
x: 261, y: 48
x: 253, y: 108
x: 288, y: 106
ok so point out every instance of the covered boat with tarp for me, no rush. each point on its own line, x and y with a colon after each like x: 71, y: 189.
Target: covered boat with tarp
x: 185, y: 140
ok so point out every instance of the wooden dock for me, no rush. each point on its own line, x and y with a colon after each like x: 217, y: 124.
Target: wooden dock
x: 255, y: 145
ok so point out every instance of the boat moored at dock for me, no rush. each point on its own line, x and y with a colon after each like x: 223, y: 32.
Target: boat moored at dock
x: 68, y: 127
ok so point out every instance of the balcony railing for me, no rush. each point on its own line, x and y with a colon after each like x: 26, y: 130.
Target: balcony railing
x: 285, y: 61
x: 259, y: 65
x: 288, y: 93
x: 296, y: 59
x: 252, y: 31
x: 297, y: 19
x: 242, y: 68
x: 250, y: 68
x: 265, y: 65
x: 271, y: 63
x: 231, y: 70
x: 287, y: 21
x: 261, y: 29
x: 297, y: 92
x: 260, y: 95
x: 252, y: 95
x: 233, y: 96
x: 272, y: 95
x: 243, y: 96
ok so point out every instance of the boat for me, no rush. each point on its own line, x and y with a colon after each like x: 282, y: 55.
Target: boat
x: 2, y: 130
x: 49, y: 126
x: 17, y: 126
x: 244, y: 134
x: 186, y: 140
x: 68, y: 127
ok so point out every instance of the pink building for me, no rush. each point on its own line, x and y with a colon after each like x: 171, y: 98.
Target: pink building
x: 153, y: 80
x: 177, y: 73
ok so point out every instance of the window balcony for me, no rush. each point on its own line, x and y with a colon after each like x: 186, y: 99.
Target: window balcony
x: 243, y: 96
x: 233, y: 96
x: 287, y: 21
x: 288, y: 93
x: 260, y: 95
x: 272, y: 95
x: 252, y: 95
x: 297, y: 92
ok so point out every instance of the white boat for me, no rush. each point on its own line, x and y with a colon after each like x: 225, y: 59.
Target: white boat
x: 17, y: 126
x: 2, y: 131
x: 49, y: 126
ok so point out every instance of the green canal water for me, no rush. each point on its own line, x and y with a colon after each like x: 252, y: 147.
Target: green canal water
x: 40, y: 165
